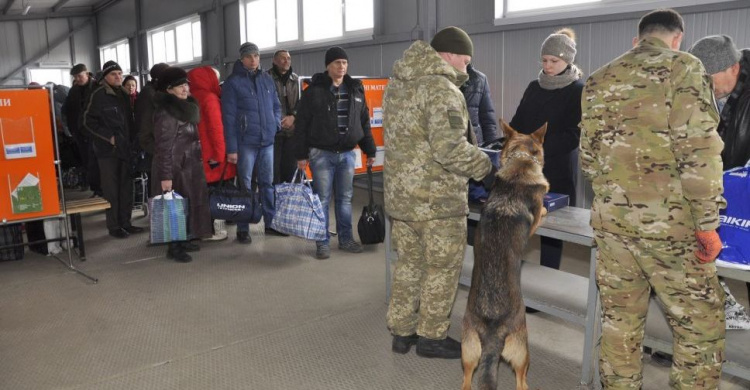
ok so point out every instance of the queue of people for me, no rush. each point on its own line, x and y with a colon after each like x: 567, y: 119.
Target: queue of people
x: 195, y: 133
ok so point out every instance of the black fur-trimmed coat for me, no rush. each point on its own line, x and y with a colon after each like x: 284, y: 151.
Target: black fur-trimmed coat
x: 178, y: 158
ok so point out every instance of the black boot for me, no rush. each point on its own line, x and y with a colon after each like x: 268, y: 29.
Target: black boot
x: 402, y: 344
x: 441, y: 349
x: 176, y: 251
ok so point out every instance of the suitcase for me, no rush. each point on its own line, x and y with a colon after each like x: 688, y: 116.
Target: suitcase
x: 11, y: 234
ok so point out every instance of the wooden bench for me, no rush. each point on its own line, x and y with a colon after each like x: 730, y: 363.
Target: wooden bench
x: 75, y: 208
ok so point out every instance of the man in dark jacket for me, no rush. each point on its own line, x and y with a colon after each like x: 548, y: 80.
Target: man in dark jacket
x: 144, y: 111
x: 108, y: 120
x: 144, y: 118
x: 251, y: 115
x: 479, y: 103
x: 75, y: 104
x: 287, y: 88
x: 333, y: 118
x: 730, y: 70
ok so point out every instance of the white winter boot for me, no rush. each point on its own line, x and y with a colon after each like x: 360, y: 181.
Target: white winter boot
x: 220, y: 231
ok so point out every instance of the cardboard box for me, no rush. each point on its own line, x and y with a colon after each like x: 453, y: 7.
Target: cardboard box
x: 553, y: 201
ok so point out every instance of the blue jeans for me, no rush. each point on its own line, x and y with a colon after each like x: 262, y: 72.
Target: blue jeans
x: 334, y: 172
x: 246, y: 159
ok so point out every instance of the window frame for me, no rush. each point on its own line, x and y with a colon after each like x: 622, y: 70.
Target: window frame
x: 124, y: 63
x: 596, y: 8
x: 65, y: 76
x: 300, y: 43
x: 171, y: 27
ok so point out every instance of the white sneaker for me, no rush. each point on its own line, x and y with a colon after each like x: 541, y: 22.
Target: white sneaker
x: 220, y: 231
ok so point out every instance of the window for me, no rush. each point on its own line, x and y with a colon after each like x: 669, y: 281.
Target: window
x: 177, y: 43
x: 118, y: 52
x: 524, y: 11
x: 44, y: 76
x: 272, y: 23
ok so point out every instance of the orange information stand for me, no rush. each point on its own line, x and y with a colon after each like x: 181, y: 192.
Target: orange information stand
x: 30, y: 173
x: 28, y: 187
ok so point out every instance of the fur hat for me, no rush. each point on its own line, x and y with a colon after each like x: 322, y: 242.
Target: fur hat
x: 110, y: 66
x: 157, y: 70
x: 78, y: 68
x: 716, y: 52
x: 561, y: 44
x: 335, y: 53
x: 172, y: 77
x: 248, y: 48
x: 453, y: 40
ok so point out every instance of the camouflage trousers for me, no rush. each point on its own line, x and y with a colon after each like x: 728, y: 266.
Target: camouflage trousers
x: 430, y: 256
x: 627, y: 269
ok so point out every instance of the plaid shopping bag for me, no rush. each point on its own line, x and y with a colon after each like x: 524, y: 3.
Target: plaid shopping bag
x: 168, y: 218
x: 298, y: 210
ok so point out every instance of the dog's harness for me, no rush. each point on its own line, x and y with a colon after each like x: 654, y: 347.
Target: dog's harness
x: 520, y: 154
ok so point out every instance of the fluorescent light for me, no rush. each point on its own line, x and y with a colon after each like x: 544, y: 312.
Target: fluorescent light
x: 26, y: 10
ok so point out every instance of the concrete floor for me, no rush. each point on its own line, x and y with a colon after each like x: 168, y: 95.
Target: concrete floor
x: 263, y: 316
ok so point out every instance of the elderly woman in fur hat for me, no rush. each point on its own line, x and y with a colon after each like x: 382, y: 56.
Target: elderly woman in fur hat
x: 177, y: 161
x: 555, y: 98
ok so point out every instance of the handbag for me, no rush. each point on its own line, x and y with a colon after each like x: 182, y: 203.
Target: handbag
x: 371, y: 225
x: 230, y: 203
x: 298, y: 210
x: 168, y: 218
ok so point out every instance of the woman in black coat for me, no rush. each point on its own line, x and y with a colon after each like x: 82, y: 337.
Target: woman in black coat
x: 555, y: 98
x: 177, y: 163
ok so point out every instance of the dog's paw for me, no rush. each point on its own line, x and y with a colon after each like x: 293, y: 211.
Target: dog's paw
x: 544, y: 211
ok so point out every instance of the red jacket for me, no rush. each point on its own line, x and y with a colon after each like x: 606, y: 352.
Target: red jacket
x: 204, y: 86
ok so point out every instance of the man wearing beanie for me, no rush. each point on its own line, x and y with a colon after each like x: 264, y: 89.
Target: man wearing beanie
x: 429, y: 159
x: 730, y: 70
x: 74, y: 106
x: 653, y: 157
x: 252, y: 115
x: 144, y: 110
x: 108, y: 120
x: 332, y: 119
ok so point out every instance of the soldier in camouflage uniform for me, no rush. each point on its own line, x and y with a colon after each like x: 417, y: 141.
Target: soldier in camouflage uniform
x: 649, y: 145
x: 428, y: 162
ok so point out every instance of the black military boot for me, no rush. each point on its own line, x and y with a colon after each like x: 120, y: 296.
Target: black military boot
x: 440, y: 349
x: 402, y: 344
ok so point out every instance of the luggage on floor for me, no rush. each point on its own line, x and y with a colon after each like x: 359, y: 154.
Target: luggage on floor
x: 371, y: 225
x: 11, y: 234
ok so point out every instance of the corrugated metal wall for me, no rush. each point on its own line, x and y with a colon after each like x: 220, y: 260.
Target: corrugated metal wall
x: 23, y: 40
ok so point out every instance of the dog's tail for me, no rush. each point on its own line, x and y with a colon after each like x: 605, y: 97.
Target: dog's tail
x: 492, y: 347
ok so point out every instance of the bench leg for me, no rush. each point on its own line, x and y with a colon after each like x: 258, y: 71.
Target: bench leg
x: 79, y: 235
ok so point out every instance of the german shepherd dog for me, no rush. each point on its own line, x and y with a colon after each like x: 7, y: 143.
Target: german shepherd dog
x: 495, y: 321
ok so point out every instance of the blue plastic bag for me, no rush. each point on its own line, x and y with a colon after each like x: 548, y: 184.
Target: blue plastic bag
x: 734, y: 228
x: 168, y: 218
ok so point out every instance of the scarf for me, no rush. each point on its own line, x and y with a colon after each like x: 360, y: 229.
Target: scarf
x: 562, y: 80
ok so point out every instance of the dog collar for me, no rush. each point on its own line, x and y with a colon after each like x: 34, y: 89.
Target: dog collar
x: 520, y: 154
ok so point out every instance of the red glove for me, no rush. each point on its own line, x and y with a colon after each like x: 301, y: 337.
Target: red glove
x: 709, y: 245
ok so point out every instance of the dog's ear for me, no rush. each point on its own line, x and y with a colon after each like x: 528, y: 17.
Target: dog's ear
x: 508, y: 131
x: 538, y: 135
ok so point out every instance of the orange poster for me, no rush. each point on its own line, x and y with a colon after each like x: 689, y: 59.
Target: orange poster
x: 374, y: 88
x: 28, y: 183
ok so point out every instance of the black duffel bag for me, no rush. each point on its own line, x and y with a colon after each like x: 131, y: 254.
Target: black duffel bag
x: 371, y: 225
x: 230, y: 203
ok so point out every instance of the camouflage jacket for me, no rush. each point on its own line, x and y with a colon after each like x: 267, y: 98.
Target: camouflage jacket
x: 649, y: 145
x: 428, y: 159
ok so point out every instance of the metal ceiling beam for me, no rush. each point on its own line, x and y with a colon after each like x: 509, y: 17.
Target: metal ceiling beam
x: 104, y: 4
x: 51, y: 15
x: 49, y: 48
x: 59, y: 5
x: 8, y: 6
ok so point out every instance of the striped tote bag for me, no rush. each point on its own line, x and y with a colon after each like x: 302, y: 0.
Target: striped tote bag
x: 168, y: 218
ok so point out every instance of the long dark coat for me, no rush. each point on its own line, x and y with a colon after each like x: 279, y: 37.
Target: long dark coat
x: 178, y: 158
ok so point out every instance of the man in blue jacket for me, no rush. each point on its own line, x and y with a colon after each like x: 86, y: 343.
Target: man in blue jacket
x: 251, y: 113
